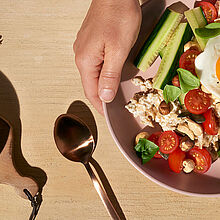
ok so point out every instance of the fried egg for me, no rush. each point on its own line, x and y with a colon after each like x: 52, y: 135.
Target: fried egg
x: 208, y: 66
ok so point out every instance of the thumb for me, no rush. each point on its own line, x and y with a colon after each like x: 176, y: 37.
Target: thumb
x: 110, y: 76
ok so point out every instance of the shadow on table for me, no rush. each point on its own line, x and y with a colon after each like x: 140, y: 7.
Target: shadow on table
x: 81, y: 110
x: 10, y: 111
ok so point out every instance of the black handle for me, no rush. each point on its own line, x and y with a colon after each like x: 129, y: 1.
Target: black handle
x: 35, y: 203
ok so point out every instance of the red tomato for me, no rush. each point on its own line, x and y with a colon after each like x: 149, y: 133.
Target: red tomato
x: 175, y: 160
x: 154, y: 138
x: 187, y: 60
x: 201, y: 158
x: 211, y: 123
x: 197, y: 101
x: 210, y: 1
x: 209, y: 10
x: 168, y: 142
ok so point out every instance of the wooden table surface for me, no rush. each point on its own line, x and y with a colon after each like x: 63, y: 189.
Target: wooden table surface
x: 37, y: 58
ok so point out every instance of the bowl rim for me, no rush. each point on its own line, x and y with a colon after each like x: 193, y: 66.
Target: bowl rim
x: 108, y: 121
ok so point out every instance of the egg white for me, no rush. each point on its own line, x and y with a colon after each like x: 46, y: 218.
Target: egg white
x: 205, y: 65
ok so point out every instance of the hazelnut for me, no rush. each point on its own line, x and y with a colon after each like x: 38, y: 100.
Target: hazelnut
x: 164, y: 108
x: 186, y: 144
x: 141, y: 135
x: 192, y: 46
x: 175, y: 81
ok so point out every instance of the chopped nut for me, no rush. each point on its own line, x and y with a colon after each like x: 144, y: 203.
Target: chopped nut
x: 186, y: 144
x: 183, y: 128
x: 194, y: 127
x: 192, y: 45
x: 141, y: 135
x: 188, y: 165
x: 138, y: 95
x: 164, y: 108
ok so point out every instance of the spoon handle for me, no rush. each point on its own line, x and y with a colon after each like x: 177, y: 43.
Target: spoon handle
x: 102, y: 193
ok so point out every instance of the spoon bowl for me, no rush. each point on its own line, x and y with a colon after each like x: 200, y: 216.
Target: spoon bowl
x: 73, y: 138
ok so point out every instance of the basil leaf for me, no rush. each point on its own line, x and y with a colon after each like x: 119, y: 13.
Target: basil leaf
x: 213, y: 26
x: 140, y: 147
x: 147, y: 149
x: 207, y: 33
x: 219, y: 153
x: 171, y: 93
x: 187, y: 80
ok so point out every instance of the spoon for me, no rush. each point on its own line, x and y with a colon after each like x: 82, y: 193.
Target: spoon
x: 75, y: 141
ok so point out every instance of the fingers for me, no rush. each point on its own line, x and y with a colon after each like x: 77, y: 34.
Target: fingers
x: 90, y: 76
x: 91, y: 92
x: 111, y: 74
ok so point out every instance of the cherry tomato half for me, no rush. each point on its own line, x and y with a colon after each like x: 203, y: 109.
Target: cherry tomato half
x: 187, y: 60
x: 210, y: 1
x: 168, y: 142
x: 154, y: 138
x: 209, y: 10
x: 175, y: 160
x: 211, y: 123
x: 201, y: 158
x: 197, y: 101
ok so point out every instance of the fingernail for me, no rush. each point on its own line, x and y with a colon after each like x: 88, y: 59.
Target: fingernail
x: 107, y: 95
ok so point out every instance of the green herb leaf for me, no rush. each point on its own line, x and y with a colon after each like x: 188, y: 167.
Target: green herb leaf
x: 207, y: 33
x: 219, y: 153
x: 147, y: 149
x: 213, y: 26
x: 187, y: 80
x: 171, y: 93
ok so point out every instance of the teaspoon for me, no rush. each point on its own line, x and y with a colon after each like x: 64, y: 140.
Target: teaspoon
x: 75, y: 141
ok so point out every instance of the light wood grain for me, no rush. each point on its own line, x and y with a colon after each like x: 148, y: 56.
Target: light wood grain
x: 37, y: 57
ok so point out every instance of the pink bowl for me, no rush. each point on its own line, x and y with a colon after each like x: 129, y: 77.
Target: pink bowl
x: 124, y: 127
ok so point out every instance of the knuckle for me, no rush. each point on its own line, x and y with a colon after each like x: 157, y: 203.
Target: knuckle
x: 110, y: 75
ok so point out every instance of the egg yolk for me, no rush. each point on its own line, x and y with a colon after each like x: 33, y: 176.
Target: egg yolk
x: 218, y: 68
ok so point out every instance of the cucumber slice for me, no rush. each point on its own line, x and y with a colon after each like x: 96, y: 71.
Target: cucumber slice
x: 162, y: 52
x: 157, y: 39
x: 170, y: 60
x: 197, y: 19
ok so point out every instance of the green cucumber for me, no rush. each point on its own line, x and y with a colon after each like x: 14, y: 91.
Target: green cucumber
x: 157, y: 39
x: 196, y: 19
x: 181, y: 98
x: 162, y: 52
x: 170, y: 60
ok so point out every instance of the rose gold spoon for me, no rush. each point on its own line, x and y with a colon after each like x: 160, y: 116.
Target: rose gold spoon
x: 75, y: 141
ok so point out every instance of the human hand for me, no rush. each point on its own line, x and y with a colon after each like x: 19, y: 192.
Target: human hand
x: 103, y: 43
